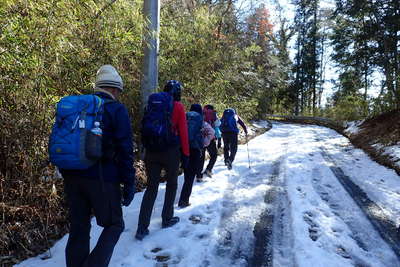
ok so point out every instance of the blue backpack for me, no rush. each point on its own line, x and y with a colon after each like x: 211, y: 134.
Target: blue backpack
x: 195, y: 124
x: 157, y: 132
x: 228, y: 121
x: 72, y: 145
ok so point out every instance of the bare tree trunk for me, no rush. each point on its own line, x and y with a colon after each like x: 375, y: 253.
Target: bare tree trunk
x: 396, y: 58
x: 322, y: 70
x: 315, y: 58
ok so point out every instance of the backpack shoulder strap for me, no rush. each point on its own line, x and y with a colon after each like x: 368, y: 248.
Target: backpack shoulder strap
x: 107, y: 101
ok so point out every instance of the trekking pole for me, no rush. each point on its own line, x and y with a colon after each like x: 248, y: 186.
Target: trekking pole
x: 248, y: 153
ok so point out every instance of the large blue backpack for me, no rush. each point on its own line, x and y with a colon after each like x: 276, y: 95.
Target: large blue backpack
x: 157, y: 134
x: 195, y: 124
x: 70, y: 142
x: 228, y: 121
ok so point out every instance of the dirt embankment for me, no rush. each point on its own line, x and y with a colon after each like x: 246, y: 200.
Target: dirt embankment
x: 375, y: 135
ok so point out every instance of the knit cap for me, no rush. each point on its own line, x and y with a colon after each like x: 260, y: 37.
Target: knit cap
x: 197, y: 108
x: 107, y: 76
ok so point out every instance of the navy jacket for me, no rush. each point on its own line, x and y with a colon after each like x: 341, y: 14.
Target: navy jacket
x: 117, y: 163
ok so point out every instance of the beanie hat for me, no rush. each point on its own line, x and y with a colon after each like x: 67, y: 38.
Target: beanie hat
x: 197, y: 108
x: 174, y: 87
x: 107, y: 76
x: 209, y: 107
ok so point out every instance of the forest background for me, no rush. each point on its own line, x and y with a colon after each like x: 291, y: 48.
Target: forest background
x: 222, y: 53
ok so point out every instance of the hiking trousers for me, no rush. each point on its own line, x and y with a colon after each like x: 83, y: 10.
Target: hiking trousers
x: 155, y: 161
x: 230, y: 145
x: 213, y: 151
x: 83, y: 196
x: 189, y: 174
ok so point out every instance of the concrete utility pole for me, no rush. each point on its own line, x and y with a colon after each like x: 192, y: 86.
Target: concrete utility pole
x: 149, y: 82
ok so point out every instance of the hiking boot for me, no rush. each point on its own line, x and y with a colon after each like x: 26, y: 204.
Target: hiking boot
x: 199, y: 178
x: 140, y: 234
x: 170, y: 222
x: 183, y: 204
x: 208, y: 173
x: 229, y: 164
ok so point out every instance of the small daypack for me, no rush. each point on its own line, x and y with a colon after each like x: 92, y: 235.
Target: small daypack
x: 195, y: 124
x: 157, y: 134
x: 72, y: 144
x: 228, y: 121
x: 209, y: 116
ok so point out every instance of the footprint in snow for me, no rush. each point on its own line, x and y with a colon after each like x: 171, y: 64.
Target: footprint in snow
x: 343, y: 252
x: 198, y: 218
x: 161, y: 257
x: 301, y: 192
x: 313, y: 229
x: 201, y: 236
x: 253, y: 174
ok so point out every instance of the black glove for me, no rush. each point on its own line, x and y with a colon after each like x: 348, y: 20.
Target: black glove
x: 185, y: 161
x: 219, y: 143
x: 128, y: 194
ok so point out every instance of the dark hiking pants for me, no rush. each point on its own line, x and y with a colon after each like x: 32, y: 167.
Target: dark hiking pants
x: 190, y: 172
x: 212, y: 150
x: 155, y: 161
x: 83, y: 196
x: 230, y: 145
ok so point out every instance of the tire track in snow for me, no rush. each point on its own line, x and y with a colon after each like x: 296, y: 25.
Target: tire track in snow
x: 373, y: 212
x: 360, y: 228
x: 272, y: 231
x: 243, y: 238
x: 263, y: 229
x: 235, y: 234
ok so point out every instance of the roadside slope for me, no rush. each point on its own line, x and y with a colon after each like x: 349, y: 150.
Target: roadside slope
x: 380, y: 138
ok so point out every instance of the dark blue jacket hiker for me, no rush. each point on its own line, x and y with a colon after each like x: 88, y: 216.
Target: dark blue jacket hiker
x: 165, y: 138
x: 230, y: 132
x: 195, y: 124
x: 97, y: 187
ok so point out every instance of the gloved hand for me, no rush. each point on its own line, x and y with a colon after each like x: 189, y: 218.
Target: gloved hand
x: 185, y: 161
x: 219, y: 143
x: 128, y: 194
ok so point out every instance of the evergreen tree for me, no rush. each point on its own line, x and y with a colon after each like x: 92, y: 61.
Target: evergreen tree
x: 308, y: 50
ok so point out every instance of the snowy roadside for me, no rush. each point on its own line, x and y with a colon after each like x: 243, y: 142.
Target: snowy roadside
x: 379, y: 136
x: 313, y: 220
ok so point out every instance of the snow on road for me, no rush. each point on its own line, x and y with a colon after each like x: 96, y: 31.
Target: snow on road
x: 290, y: 208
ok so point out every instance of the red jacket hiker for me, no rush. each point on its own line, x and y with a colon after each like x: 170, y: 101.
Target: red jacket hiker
x: 179, y: 126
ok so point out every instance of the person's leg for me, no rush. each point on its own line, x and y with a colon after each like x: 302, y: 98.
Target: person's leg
x: 212, y: 150
x: 171, y: 164
x: 78, y: 246
x: 234, y: 146
x: 153, y: 170
x: 201, y: 162
x: 190, y: 173
x: 106, y: 203
x: 225, y: 137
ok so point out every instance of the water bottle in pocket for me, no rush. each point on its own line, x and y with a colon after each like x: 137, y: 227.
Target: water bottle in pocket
x: 94, y: 142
